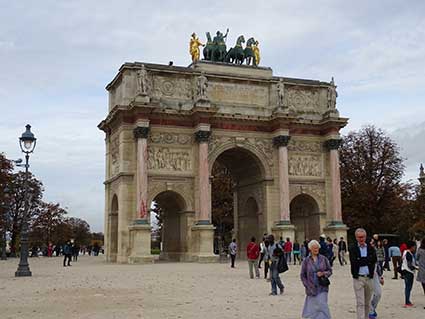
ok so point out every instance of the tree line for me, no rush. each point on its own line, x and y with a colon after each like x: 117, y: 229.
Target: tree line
x: 48, y: 222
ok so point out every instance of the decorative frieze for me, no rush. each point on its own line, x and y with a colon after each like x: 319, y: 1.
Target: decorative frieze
x: 169, y: 138
x: 304, y: 146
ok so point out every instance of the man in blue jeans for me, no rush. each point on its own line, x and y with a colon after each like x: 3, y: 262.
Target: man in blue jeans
x: 274, y: 251
x: 408, y: 267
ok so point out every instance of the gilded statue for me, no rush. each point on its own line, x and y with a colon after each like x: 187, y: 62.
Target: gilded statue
x: 256, y: 51
x: 194, y: 45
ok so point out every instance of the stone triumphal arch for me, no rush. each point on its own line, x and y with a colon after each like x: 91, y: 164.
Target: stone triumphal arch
x: 168, y: 125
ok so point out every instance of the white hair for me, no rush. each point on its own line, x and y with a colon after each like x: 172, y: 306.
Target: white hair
x: 360, y: 230
x: 312, y: 243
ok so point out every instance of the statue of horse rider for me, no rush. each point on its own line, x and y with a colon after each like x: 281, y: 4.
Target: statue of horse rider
x: 219, y: 50
x: 208, y: 48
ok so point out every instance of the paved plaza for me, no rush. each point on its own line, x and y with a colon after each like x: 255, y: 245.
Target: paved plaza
x: 92, y: 288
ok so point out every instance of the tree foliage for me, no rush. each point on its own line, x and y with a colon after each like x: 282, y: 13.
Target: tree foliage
x: 44, y: 227
x: 16, y: 206
x: 373, y: 196
x: 222, y: 198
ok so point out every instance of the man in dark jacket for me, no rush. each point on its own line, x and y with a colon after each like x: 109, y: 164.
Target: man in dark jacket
x: 67, y: 253
x: 363, y: 259
x: 323, y: 250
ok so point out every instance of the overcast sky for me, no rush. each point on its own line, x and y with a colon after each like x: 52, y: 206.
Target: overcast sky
x: 57, y: 56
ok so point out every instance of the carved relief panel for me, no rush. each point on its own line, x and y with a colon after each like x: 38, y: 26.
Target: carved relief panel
x: 305, y: 165
x: 114, y: 151
x: 180, y: 88
x: 169, y: 159
x: 301, y: 100
x: 238, y: 93
x: 170, y: 152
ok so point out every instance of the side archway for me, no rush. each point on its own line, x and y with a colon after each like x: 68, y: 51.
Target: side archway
x: 173, y: 224
x: 306, y: 217
x: 113, y: 229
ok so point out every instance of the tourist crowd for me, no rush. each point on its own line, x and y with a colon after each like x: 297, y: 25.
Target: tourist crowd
x: 369, y: 258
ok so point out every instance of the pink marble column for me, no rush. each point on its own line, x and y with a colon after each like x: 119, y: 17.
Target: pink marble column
x: 336, y: 209
x: 204, y: 217
x: 281, y: 142
x: 142, y: 211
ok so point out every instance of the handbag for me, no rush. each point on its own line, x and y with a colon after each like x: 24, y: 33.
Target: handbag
x: 282, y: 265
x: 324, y: 281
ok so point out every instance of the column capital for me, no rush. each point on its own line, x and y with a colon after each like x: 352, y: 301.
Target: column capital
x: 333, y: 144
x: 281, y: 140
x: 141, y: 132
x: 202, y: 136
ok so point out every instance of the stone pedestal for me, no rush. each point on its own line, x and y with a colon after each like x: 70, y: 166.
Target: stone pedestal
x: 336, y: 230
x: 284, y: 230
x: 140, y: 242
x: 204, y: 238
x: 142, y: 99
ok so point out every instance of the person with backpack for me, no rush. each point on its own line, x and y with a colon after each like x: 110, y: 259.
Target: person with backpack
x: 252, y: 253
x: 275, y: 251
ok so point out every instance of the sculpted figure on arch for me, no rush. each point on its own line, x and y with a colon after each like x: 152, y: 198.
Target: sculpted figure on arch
x: 194, y: 45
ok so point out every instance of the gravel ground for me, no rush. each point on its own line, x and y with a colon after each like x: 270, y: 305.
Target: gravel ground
x: 92, y: 288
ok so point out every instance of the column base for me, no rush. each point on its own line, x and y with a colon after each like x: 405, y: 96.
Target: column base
x: 203, y: 243
x: 336, y: 229
x: 140, y: 242
x: 284, y: 229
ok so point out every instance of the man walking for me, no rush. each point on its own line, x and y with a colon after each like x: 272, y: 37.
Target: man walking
x: 342, y: 250
x: 252, y: 253
x: 363, y: 260
x: 395, y: 254
x: 275, y: 250
x: 67, y: 253
x: 287, y: 248
x: 233, y: 248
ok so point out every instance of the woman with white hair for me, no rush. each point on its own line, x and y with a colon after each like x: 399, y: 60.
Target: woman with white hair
x: 315, y: 271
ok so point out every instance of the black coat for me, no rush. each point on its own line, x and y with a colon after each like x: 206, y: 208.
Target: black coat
x: 357, y: 261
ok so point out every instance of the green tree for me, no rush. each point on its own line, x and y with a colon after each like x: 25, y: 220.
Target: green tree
x: 373, y: 196
x: 46, y: 223
x: 17, y: 202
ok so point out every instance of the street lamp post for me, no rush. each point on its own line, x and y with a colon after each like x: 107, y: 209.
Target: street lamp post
x: 27, y: 143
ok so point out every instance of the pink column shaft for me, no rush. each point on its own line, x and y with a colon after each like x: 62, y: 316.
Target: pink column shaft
x: 283, y: 184
x: 204, y: 183
x: 335, y: 185
x: 142, y: 178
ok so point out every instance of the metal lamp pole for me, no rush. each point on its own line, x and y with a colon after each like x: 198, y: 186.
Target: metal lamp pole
x: 27, y: 142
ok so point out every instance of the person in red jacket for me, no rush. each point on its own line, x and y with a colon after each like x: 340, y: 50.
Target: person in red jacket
x: 252, y: 253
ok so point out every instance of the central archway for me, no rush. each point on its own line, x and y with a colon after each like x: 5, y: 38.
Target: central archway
x: 170, y: 206
x: 242, y: 200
